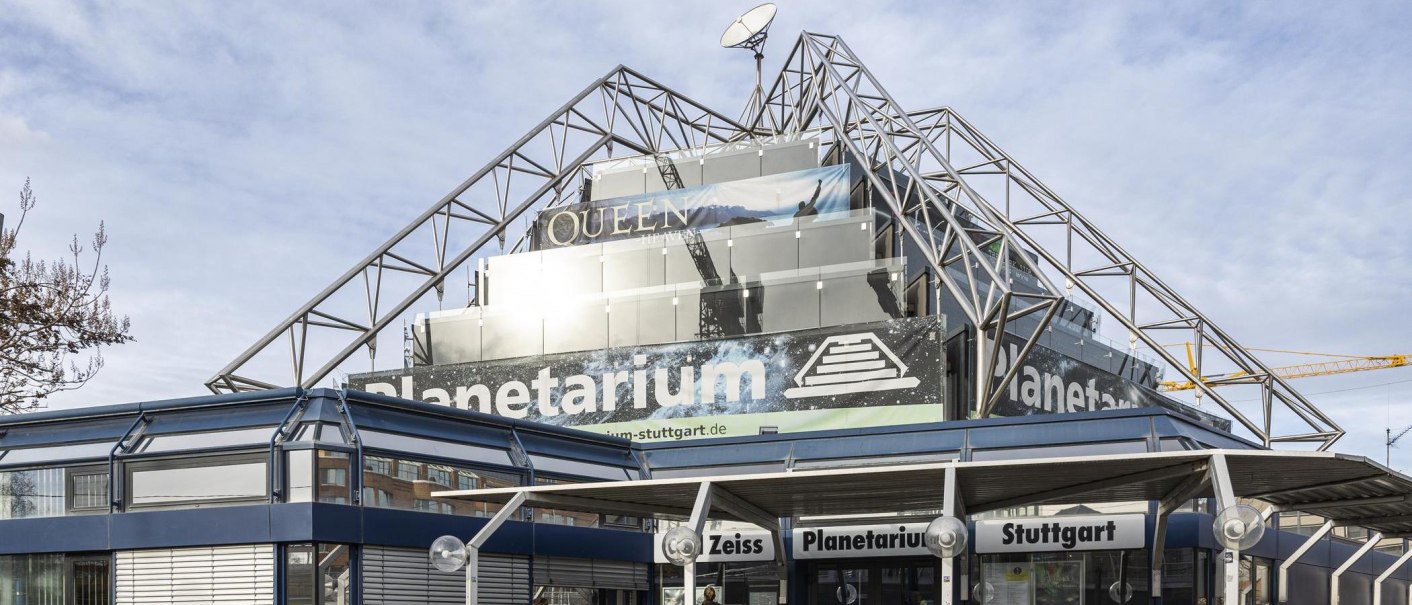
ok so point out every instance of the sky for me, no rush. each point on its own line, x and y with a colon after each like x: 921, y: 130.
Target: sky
x: 243, y: 155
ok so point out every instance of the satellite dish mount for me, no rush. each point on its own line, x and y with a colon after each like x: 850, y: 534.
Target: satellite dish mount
x: 749, y: 31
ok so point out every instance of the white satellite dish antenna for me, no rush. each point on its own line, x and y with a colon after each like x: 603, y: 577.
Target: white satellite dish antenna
x: 749, y: 31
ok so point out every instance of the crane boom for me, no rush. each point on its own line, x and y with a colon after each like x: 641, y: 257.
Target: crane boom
x: 1303, y: 370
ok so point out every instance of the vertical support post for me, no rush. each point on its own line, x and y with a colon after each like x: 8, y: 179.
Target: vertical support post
x: 781, y: 567
x: 1230, y: 559
x: 1378, y: 583
x: 1159, y: 546
x: 697, y: 523
x: 510, y: 509
x: 1294, y: 558
x: 1358, y: 554
x: 948, y: 508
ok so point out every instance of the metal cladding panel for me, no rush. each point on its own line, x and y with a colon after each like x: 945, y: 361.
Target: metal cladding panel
x: 395, y: 576
x: 1394, y: 592
x: 589, y: 573
x: 1355, y: 589
x: 622, y: 183
x: 221, y: 574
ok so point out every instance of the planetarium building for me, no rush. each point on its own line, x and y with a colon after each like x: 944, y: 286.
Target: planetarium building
x: 831, y: 352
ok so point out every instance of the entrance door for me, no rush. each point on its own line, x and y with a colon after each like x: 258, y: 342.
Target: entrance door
x: 876, y: 582
x: 87, y: 580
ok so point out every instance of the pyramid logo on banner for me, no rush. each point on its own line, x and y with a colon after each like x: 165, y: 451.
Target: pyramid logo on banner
x: 851, y: 363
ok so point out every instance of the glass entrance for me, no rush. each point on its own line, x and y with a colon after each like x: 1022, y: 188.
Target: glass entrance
x: 874, y: 582
x: 1076, y: 578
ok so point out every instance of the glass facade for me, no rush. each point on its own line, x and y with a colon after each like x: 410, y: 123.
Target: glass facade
x: 1062, y: 578
x: 32, y: 493
x: 746, y: 583
x: 195, y: 482
x: 768, y: 277
x: 32, y: 579
x: 53, y: 492
x: 318, y: 574
x: 408, y: 484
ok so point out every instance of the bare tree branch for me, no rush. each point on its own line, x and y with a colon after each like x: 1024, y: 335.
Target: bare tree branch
x: 50, y: 313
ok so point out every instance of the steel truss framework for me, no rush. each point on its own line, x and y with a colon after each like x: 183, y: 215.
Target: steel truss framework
x: 978, y: 218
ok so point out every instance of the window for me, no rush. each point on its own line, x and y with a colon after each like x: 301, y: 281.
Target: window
x: 32, y: 493
x: 380, y: 498
x: 440, y: 475
x: 299, y: 476
x: 434, y: 506
x: 32, y: 578
x: 207, y: 440
x: 561, y: 517
x: 392, y: 483
x: 198, y: 481
x: 317, y: 574
x: 88, y: 490
x: 52, y: 492
x: 379, y: 466
x: 333, y: 477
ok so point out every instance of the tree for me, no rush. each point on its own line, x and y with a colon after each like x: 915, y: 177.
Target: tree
x: 51, y: 314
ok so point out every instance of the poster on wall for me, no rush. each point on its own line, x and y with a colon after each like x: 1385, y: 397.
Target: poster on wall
x: 803, y: 193
x: 870, y: 374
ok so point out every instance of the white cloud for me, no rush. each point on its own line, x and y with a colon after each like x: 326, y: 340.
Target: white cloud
x: 243, y: 155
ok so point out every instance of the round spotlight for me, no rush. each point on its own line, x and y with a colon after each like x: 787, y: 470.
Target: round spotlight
x: 1120, y: 594
x: 945, y: 537
x: 983, y: 592
x: 1238, y: 527
x: 448, y: 554
x: 681, y: 545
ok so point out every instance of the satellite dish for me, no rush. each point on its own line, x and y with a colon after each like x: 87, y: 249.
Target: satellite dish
x: 1239, y: 527
x: 448, y: 554
x: 749, y: 30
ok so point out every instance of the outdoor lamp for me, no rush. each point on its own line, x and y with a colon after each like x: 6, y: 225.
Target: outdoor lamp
x: 681, y: 545
x: 945, y: 537
x: 1238, y: 527
x: 448, y: 554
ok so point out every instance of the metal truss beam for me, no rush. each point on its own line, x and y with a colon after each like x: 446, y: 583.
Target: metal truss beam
x: 928, y: 168
x: 621, y: 114
x: 942, y: 160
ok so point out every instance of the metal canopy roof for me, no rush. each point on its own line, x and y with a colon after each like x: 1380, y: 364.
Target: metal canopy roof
x: 1349, y: 490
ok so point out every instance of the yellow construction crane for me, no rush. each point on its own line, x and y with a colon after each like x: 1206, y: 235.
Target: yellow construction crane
x: 1343, y: 364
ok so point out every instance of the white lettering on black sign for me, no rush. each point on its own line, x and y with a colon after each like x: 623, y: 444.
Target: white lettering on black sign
x: 1061, y: 534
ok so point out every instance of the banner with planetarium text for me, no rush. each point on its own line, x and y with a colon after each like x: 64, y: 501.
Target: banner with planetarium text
x: 873, y: 374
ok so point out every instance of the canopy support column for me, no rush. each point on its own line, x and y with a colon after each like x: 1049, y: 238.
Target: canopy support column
x: 1378, y: 583
x: 1196, y: 483
x: 473, y: 546
x: 949, y: 508
x: 1299, y: 552
x: 1362, y: 550
x: 1230, y: 559
x: 697, y: 523
x: 746, y: 511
